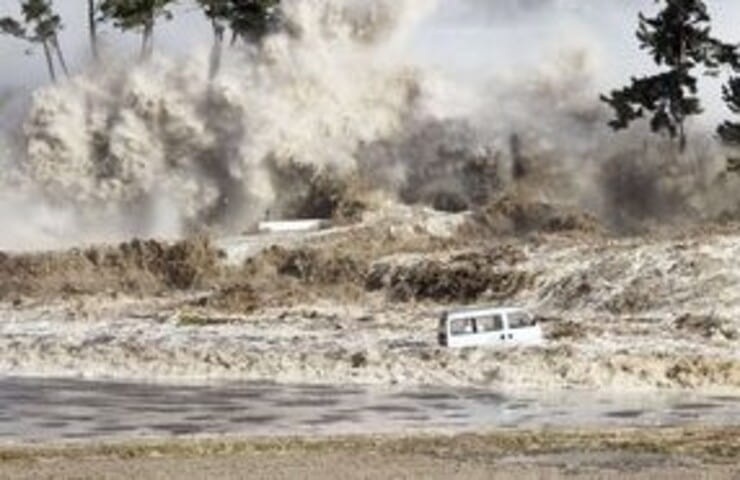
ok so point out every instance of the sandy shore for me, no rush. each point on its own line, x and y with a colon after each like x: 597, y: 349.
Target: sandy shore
x: 634, y: 454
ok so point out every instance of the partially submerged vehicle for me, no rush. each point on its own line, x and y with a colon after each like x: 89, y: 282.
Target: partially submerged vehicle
x: 471, y: 327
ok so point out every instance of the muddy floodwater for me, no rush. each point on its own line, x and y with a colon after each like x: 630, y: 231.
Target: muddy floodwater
x: 34, y: 409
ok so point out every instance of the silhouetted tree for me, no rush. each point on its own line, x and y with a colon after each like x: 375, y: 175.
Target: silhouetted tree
x: 217, y: 12
x: 137, y: 15
x: 729, y: 131
x: 39, y: 25
x: 247, y: 19
x: 679, y: 38
x: 251, y: 20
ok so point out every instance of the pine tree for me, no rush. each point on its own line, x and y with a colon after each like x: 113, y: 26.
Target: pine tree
x: 39, y: 25
x: 250, y: 20
x: 729, y: 132
x: 678, y: 38
x: 217, y: 12
x: 137, y: 15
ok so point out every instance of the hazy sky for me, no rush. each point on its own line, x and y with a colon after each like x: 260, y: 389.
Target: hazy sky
x: 503, y: 39
x: 18, y: 69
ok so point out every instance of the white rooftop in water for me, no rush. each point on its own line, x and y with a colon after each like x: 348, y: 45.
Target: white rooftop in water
x: 285, y: 226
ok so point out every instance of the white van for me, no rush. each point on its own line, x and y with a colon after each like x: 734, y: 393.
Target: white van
x: 470, y: 327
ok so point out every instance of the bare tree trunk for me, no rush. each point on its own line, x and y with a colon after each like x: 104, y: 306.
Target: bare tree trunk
x: 60, y: 55
x: 147, y: 40
x: 217, y: 49
x: 93, y: 27
x: 518, y: 162
x: 682, y: 67
x: 49, y: 61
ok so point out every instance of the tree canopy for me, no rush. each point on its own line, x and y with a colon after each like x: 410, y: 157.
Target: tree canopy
x: 729, y: 131
x: 248, y: 19
x: 140, y: 15
x: 678, y: 38
x: 252, y: 19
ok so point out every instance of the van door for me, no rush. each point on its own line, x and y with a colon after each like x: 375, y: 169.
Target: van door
x: 462, y: 332
x: 492, y: 328
x: 521, y: 327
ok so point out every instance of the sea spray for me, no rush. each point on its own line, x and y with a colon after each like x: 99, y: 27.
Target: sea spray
x: 309, y: 96
x: 159, y: 149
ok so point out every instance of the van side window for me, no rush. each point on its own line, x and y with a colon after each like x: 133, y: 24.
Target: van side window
x: 520, y: 320
x: 493, y: 323
x: 462, y: 326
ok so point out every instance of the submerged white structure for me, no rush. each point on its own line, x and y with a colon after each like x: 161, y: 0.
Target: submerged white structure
x: 288, y: 226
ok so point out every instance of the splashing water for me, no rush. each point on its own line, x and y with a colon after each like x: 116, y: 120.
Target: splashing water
x: 158, y: 148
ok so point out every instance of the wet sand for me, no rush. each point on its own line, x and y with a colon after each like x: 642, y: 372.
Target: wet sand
x: 368, y: 467
x: 674, y: 454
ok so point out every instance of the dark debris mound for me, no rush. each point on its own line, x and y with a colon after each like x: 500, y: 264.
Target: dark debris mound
x: 464, y: 278
x: 312, y: 266
x: 240, y: 298
x: 508, y: 216
x: 135, y: 267
x: 706, y: 326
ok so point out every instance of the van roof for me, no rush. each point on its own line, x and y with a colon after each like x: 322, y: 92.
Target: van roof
x: 482, y: 309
